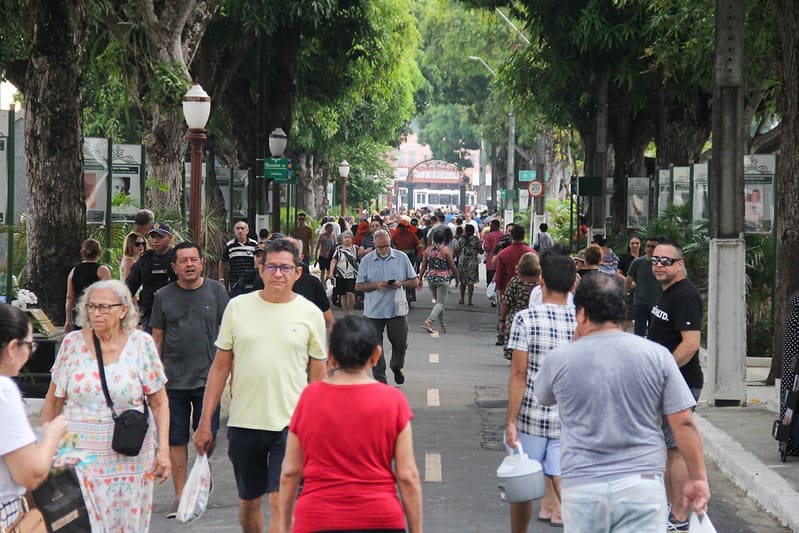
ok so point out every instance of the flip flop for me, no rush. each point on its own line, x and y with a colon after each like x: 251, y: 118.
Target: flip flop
x: 428, y: 327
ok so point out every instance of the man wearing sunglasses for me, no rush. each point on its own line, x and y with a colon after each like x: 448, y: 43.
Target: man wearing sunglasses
x: 676, y: 322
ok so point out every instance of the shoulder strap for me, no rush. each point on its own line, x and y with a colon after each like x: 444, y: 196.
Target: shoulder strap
x: 99, y: 353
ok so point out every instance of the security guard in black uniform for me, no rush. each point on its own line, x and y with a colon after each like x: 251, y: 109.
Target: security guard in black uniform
x: 152, y: 271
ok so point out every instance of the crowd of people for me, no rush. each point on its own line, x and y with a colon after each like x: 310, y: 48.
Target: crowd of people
x: 168, y: 339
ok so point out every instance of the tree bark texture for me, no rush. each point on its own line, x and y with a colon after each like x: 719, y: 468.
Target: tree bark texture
x: 56, y: 223
x: 788, y: 179
x: 170, y: 35
x: 683, y: 129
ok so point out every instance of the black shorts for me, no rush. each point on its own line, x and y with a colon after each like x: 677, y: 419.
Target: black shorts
x: 186, y: 406
x: 324, y: 263
x: 345, y: 285
x: 256, y: 456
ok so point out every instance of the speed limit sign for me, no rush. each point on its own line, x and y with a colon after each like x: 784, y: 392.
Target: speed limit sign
x: 535, y: 188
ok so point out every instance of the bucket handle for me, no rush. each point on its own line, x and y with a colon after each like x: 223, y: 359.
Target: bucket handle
x: 519, y: 449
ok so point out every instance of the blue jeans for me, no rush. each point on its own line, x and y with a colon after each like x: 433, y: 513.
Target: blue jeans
x: 633, y: 504
x: 440, y: 292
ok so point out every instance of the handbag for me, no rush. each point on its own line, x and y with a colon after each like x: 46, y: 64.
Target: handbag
x: 60, y: 501
x: 31, y: 521
x: 130, y: 427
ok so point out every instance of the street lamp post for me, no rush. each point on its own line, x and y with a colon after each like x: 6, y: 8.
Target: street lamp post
x: 277, y: 147
x: 196, y: 110
x: 344, y: 172
x: 511, y: 142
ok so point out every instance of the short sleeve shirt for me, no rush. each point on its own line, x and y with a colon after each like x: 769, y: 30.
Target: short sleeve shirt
x: 272, y: 344
x: 17, y: 433
x: 190, y: 321
x: 538, y: 331
x: 612, y: 390
x: 678, y: 309
x: 374, y: 269
x: 647, y: 288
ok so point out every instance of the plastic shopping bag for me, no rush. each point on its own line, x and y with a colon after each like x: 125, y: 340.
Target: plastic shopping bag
x: 491, y: 292
x: 194, y: 499
x: 700, y: 524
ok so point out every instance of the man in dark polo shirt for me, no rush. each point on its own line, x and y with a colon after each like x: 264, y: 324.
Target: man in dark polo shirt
x: 676, y: 323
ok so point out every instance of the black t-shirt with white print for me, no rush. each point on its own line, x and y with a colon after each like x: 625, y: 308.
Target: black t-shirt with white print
x: 679, y: 308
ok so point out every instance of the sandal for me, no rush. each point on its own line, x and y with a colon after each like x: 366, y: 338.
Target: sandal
x: 442, y: 330
x: 428, y: 327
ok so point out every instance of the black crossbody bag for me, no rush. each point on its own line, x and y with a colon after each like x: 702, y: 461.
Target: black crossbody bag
x: 130, y: 426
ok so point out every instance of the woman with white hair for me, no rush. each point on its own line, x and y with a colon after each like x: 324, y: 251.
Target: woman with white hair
x: 118, y: 489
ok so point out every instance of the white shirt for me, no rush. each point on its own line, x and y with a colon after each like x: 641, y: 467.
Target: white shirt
x: 17, y: 433
x: 537, y: 297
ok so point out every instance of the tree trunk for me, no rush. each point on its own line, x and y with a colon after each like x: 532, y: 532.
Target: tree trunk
x: 166, y: 148
x: 53, y: 145
x: 683, y: 130
x: 788, y: 179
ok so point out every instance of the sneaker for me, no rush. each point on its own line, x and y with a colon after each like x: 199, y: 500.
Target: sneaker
x: 399, y: 377
x: 676, y: 525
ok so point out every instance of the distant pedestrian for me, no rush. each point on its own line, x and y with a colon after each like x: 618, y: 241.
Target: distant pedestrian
x: 517, y: 294
x: 133, y: 247
x: 506, y: 261
x: 467, y: 252
x: 345, y: 424
x: 646, y: 289
x: 304, y: 233
x: 438, y: 267
x: 344, y: 269
x: 277, y: 339
x: 185, y: 321
x: 612, y: 458
x: 152, y: 271
x: 238, y: 254
x: 143, y: 222
x: 81, y: 276
x: 543, y: 240
x: 381, y: 274
x: 676, y: 323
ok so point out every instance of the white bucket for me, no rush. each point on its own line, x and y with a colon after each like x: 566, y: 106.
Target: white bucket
x: 520, y: 478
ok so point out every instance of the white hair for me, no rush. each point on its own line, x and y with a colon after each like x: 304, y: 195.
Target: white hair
x: 131, y: 318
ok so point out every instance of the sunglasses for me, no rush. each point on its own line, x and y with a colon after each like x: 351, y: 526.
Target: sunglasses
x: 140, y: 243
x: 664, y: 261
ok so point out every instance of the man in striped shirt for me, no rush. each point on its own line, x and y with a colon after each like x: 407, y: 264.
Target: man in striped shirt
x: 238, y: 253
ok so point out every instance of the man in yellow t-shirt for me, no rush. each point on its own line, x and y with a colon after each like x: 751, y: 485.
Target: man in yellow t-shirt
x: 277, y: 340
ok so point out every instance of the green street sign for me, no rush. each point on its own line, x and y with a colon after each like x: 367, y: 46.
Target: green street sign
x: 278, y: 169
x: 526, y: 175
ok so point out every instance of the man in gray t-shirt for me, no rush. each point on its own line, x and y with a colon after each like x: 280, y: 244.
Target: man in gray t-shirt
x: 612, y: 390
x: 185, y: 320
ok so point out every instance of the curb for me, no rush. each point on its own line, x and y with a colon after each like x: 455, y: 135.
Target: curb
x: 760, y: 482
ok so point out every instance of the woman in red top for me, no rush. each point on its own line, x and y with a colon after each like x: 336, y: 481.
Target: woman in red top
x: 343, y: 437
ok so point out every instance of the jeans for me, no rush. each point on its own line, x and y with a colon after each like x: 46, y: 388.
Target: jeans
x: 397, y: 331
x: 641, y: 317
x: 632, y: 504
x: 440, y: 292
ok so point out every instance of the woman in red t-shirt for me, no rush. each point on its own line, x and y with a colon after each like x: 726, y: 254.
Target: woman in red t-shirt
x: 343, y: 437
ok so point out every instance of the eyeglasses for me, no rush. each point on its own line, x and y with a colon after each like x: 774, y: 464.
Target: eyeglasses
x: 30, y: 344
x: 140, y: 243
x: 664, y: 261
x: 285, y: 268
x: 104, y: 309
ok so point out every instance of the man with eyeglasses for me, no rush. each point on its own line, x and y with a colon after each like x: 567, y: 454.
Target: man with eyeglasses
x: 238, y: 254
x: 676, y: 323
x: 278, y: 341
x: 647, y: 289
x: 185, y: 321
x: 152, y: 271
x: 381, y: 274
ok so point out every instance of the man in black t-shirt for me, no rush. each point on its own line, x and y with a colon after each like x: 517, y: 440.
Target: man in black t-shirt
x: 676, y: 323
